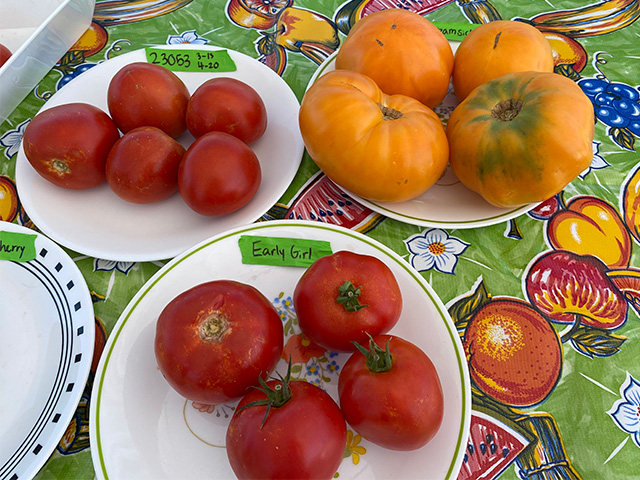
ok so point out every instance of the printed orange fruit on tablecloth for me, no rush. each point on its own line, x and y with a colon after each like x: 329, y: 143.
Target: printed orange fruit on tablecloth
x: 514, y: 353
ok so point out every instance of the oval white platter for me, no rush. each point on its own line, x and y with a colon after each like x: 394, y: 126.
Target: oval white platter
x: 99, y: 224
x: 141, y: 429
x: 448, y: 203
x: 47, y: 334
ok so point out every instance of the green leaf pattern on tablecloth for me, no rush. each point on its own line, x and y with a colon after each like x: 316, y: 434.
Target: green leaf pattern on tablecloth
x: 582, y: 429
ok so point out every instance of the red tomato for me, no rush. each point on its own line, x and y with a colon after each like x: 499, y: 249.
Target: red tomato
x: 227, y: 105
x: 147, y: 95
x: 5, y: 54
x: 302, y: 434
x: 343, y: 297
x: 219, y: 174
x: 69, y: 144
x: 400, y: 408
x: 142, y: 167
x: 214, y: 341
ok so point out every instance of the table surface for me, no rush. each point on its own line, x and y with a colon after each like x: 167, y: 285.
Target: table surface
x: 583, y: 423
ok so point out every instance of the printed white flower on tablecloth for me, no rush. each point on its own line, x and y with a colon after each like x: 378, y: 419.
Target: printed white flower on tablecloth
x: 597, y: 162
x: 111, y: 265
x: 626, y: 411
x: 190, y: 36
x: 12, y: 138
x: 434, y: 248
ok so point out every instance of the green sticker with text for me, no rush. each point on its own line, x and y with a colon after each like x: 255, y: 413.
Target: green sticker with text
x: 282, y: 251
x: 191, y: 60
x: 18, y: 247
x: 455, y: 31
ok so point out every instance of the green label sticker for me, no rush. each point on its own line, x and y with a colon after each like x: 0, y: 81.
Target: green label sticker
x: 290, y: 252
x: 191, y: 60
x: 455, y: 31
x: 18, y: 247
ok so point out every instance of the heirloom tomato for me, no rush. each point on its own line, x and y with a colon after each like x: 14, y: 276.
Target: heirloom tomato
x: 286, y: 429
x: 344, y: 297
x: 227, y: 105
x: 521, y: 138
x: 68, y: 144
x: 383, y: 148
x: 147, y: 95
x: 391, y: 394
x: 215, y: 340
x: 403, y: 52
x: 142, y: 167
x: 219, y: 174
x: 495, y: 48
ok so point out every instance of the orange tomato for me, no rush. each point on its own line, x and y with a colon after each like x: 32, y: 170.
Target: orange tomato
x: 521, y: 138
x: 403, y: 52
x: 380, y: 147
x: 496, y: 48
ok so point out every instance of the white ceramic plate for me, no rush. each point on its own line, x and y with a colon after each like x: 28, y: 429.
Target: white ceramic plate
x: 141, y: 429
x: 46, y: 346
x: 98, y: 223
x: 448, y: 203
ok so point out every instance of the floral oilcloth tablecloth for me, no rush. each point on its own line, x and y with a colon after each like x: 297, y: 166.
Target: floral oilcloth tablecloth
x: 576, y: 416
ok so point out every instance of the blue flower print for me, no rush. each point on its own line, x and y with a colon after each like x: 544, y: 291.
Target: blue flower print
x: 313, y: 370
x: 434, y: 248
x: 626, y: 411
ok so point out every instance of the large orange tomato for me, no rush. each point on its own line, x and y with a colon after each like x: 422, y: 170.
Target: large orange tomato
x: 521, y: 138
x: 383, y: 148
x: 403, y: 52
x: 495, y: 48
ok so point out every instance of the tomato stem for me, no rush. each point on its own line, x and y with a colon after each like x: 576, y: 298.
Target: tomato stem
x: 378, y: 360
x: 507, y: 110
x: 213, y: 327
x: 348, y: 297
x: 389, y: 113
x: 276, y: 396
x: 59, y: 166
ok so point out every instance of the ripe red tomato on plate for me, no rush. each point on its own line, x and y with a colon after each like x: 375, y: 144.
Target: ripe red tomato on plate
x: 391, y: 394
x: 219, y: 174
x: 215, y: 340
x: 286, y: 429
x: 224, y: 104
x: 142, y: 166
x: 5, y: 54
x: 345, y: 297
x: 143, y: 94
x: 68, y: 144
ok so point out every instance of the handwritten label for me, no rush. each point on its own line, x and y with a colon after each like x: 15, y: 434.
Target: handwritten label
x: 455, y: 31
x: 18, y: 247
x: 191, y: 60
x: 291, y: 252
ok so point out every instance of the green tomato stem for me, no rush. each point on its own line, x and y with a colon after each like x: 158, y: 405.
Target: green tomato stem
x: 348, y: 297
x: 378, y: 360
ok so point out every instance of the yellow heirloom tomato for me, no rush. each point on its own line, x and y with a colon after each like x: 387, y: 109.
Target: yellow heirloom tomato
x: 403, y: 52
x: 521, y: 138
x: 496, y: 48
x: 385, y: 148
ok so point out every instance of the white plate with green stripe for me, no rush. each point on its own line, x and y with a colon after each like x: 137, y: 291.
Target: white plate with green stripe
x: 141, y: 429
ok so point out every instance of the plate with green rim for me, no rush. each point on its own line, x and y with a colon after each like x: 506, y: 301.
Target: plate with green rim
x: 142, y: 429
x: 448, y: 203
